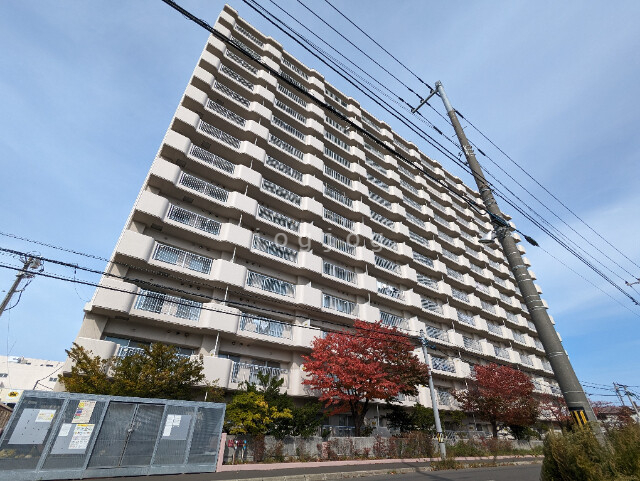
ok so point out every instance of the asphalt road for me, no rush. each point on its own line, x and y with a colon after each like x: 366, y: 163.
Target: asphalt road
x: 500, y: 473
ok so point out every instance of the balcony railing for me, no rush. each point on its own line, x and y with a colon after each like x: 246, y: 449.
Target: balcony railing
x: 218, y: 134
x: 455, y: 274
x: 194, y: 220
x: 212, y: 159
x: 466, y: 318
x: 290, y: 65
x: 512, y: 317
x: 336, y: 125
x: 414, y: 219
x: 392, y: 320
x: 169, y: 305
x: 401, y: 146
x: 406, y: 172
x: 370, y: 123
x: 488, y: 306
x: 339, y: 272
x: 338, y: 219
x: 546, y: 365
x: 236, y: 77
x: 334, y: 97
x: 284, y: 168
x: 428, y: 281
x: 291, y: 95
x: 389, y: 290
x: 335, y: 140
x: 476, y: 268
x: 505, y: 298
x: 242, y: 62
x: 288, y: 148
x: 471, y: 344
x: 526, y: 360
x: 292, y: 80
x: 412, y: 203
x: 334, y: 174
x: 373, y: 151
x: 337, y: 195
x: 380, y: 200
x: 290, y: 111
x: 384, y: 241
x: 226, y: 113
x: 460, y: 295
x: 339, y: 244
x: 408, y: 186
x: 445, y: 398
x: 430, y: 305
x: 423, y: 259
x: 501, y: 352
x: 519, y: 337
x: 272, y: 248
x: 436, y: 333
x: 278, y: 218
x: 387, y: 264
x: 494, y: 328
x: 418, y: 238
x: 281, y: 192
x: 382, y: 220
x: 204, y: 187
x: 441, y: 364
x: 249, y: 35
x: 287, y: 128
x: 242, y: 371
x: 249, y: 51
x: 538, y: 344
x: 339, y: 304
x: 378, y: 182
x: 265, y: 326
x: 375, y: 165
x: 338, y: 158
x: 450, y: 255
x: 181, y: 258
x: 270, y: 284
x: 446, y: 237
x: 124, y: 351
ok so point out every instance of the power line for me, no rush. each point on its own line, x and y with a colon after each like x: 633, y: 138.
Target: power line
x: 430, y: 140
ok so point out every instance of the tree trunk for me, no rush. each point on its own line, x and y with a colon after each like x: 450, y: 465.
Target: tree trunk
x: 358, y: 411
x: 494, y: 426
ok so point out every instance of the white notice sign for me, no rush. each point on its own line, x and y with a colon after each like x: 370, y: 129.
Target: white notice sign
x: 81, y: 436
x: 172, y: 420
x: 64, y: 430
x: 45, y: 415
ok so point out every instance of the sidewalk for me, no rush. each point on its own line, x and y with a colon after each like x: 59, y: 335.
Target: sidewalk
x: 326, y: 470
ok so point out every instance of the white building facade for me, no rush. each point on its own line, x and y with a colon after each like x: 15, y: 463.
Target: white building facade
x: 264, y: 222
x: 18, y: 374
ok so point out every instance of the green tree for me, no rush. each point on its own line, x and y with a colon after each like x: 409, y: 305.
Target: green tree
x: 249, y: 413
x: 155, y: 372
x: 415, y: 418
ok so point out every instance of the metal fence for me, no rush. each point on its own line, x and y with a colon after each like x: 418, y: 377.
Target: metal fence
x: 63, y: 435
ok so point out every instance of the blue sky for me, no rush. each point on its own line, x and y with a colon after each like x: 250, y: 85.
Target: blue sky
x: 88, y: 88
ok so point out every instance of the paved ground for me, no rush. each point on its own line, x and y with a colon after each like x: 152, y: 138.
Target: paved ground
x: 401, y: 471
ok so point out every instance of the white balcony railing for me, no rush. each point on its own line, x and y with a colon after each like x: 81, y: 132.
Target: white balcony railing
x: 378, y: 182
x: 272, y: 248
x: 339, y: 304
x: 382, y: 219
x: 338, y: 219
x: 387, y: 264
x: 423, y: 259
x: 242, y: 371
x: 334, y: 174
x: 430, y: 282
x: 441, y: 364
x: 291, y: 95
x: 337, y: 195
x: 232, y: 94
x: 455, y: 274
x: 339, y: 272
x: 286, y: 127
x: 385, y: 241
x: 389, y: 290
x: 501, y: 352
x: 170, y: 305
x: 265, y: 326
x: 373, y: 151
x: 218, y: 134
x: 242, y: 62
x: 284, y: 168
x: 392, y: 320
x: 338, y: 158
x: 436, y: 333
x: 466, y: 318
x: 494, y: 328
x: 339, y: 244
x: 249, y: 35
x: 288, y: 148
x: 194, y: 220
x: 270, y: 284
x: 291, y: 112
x: 278, y: 218
x: 212, y: 159
x: 203, y: 187
x: 430, y: 305
x: 471, y: 344
x: 281, y: 192
x: 181, y: 258
x: 408, y: 186
x: 414, y: 219
x: 418, y: 238
x: 460, y: 295
x: 226, y: 113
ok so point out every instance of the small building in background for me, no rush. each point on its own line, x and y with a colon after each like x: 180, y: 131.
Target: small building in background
x: 19, y: 373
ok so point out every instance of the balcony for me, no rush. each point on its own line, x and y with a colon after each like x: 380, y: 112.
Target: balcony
x: 387, y: 264
x: 337, y: 176
x: 293, y: 113
x: 450, y: 255
x: 225, y: 113
x: 339, y: 244
x: 278, y: 218
x: 377, y: 167
x: 380, y: 200
x: 338, y: 272
x: 336, y: 125
x: 466, y: 318
x: 430, y: 305
x: 430, y: 282
x: 283, y: 168
x: 286, y: 147
x: 392, y: 320
x: 242, y: 62
x: 370, y: 123
x: 160, y: 303
x: 274, y: 249
x: 212, y: 159
x: 455, y: 274
x: 412, y: 203
x: 291, y: 95
x: 270, y: 284
x: 218, y: 134
x: 265, y: 326
x: 181, y: 258
x: 281, y: 192
x: 414, y: 219
x: 336, y: 141
x: 436, y: 333
x: 389, y: 290
x: 203, y: 187
x: 427, y: 261
x: 460, y: 295
x: 494, y: 328
x: 471, y: 344
x: 339, y: 304
x: 293, y: 67
x: 197, y: 221
x: 406, y: 172
x: 338, y: 219
x: 418, y: 238
x: 488, y: 307
x: 373, y: 151
x: 526, y: 360
x: 382, y: 220
x: 292, y: 80
x: 384, y: 241
x: 241, y: 46
x: 378, y: 182
x: 233, y: 95
x: 337, y: 195
x: 242, y: 371
x: 443, y: 365
x: 338, y: 158
x: 501, y: 352
x: 287, y: 128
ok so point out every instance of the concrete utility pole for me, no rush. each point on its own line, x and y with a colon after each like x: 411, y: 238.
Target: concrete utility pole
x: 434, y: 398
x: 616, y: 386
x: 30, y: 263
x: 566, y: 377
x: 633, y: 403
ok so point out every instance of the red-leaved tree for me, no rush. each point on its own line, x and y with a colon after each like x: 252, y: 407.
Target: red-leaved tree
x: 372, y: 362
x: 500, y: 395
x: 555, y: 409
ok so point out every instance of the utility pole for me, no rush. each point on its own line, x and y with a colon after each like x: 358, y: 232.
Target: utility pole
x: 633, y: 403
x: 616, y: 386
x: 30, y: 263
x: 434, y: 398
x: 566, y: 377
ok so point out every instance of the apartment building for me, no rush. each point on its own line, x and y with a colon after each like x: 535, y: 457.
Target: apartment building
x: 18, y: 373
x: 265, y: 222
